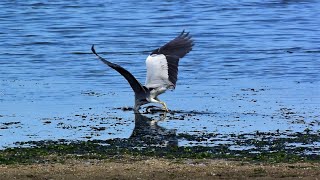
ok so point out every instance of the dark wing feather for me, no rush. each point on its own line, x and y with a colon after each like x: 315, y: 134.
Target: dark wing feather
x: 134, y: 83
x: 173, y: 63
x: 174, y: 50
x: 178, y: 47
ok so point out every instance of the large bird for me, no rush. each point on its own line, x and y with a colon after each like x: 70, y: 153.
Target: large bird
x: 162, y: 70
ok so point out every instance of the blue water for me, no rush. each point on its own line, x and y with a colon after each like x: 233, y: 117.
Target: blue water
x: 251, y: 61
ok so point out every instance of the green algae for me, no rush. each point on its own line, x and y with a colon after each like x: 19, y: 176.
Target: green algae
x: 268, y: 149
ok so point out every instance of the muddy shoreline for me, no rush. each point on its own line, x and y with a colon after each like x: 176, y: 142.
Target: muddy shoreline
x: 150, y: 168
x: 127, y: 159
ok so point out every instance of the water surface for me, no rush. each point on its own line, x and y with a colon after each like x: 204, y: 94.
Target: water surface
x: 254, y: 68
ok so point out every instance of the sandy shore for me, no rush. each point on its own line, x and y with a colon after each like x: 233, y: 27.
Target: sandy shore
x: 151, y: 168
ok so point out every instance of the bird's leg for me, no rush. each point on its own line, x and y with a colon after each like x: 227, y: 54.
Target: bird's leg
x: 164, y: 106
x: 156, y: 100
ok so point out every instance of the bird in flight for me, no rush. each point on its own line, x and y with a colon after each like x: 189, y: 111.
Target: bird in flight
x: 162, y: 70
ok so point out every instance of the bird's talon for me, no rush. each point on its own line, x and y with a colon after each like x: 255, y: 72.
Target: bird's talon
x: 165, y: 109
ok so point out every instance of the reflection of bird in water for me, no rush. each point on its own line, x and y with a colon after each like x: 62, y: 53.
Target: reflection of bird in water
x: 147, y: 132
x: 162, y: 70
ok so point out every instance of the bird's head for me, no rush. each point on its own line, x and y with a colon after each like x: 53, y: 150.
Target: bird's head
x: 141, y: 98
x: 139, y: 102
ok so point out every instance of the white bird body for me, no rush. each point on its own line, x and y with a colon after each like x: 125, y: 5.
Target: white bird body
x: 157, y: 71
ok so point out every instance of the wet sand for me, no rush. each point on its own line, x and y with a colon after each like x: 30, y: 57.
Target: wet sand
x: 158, y: 168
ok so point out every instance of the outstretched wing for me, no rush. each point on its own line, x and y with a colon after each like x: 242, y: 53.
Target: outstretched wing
x: 177, y: 47
x: 162, y: 64
x: 134, y: 83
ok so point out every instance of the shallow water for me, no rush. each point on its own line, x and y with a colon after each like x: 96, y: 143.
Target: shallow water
x: 254, y: 68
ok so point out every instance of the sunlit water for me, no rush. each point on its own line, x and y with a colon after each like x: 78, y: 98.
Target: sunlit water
x: 254, y: 67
